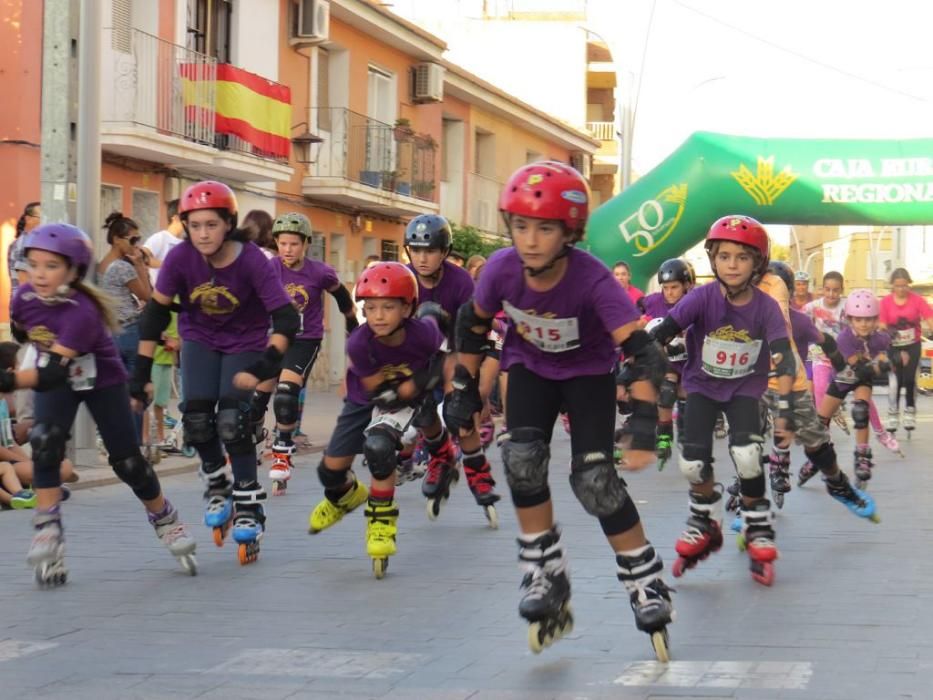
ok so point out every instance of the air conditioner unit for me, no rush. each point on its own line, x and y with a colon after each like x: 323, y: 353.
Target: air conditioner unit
x: 582, y: 163
x: 427, y: 83
x: 310, y: 22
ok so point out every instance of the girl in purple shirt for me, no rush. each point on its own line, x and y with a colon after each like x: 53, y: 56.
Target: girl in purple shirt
x: 569, y: 316
x: 228, y: 292
x: 70, y: 326
x: 305, y: 282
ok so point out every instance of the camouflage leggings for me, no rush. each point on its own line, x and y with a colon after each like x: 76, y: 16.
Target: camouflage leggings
x: 810, y: 431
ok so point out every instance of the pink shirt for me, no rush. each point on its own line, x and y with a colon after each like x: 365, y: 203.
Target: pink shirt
x: 634, y: 293
x: 903, y: 320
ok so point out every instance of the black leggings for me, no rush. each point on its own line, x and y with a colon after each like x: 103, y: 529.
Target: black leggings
x: 745, y: 425
x: 590, y: 402
x: 110, y: 409
x: 906, y: 373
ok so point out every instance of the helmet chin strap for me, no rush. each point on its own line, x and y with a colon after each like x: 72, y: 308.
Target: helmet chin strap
x: 535, y: 271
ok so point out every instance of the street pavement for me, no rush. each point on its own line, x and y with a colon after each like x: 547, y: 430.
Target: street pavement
x: 850, y: 614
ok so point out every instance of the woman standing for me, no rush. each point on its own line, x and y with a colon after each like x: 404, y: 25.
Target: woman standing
x: 623, y: 274
x: 902, y: 312
x: 69, y: 323
x: 228, y: 292
x: 16, y: 256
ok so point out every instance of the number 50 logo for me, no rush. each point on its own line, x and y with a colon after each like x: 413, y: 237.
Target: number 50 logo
x: 655, y: 219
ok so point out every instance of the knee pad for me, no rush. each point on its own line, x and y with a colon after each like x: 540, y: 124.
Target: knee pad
x: 696, y: 463
x: 860, y: 413
x: 234, y: 426
x: 286, y: 405
x: 329, y: 478
x: 596, y: 483
x: 667, y: 394
x: 525, y: 456
x: 48, y: 443
x: 199, y: 422
x: 136, y: 472
x: 380, y: 450
x: 746, y: 455
x: 823, y: 457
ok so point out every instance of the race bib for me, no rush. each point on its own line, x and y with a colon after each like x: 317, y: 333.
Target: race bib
x: 397, y: 421
x: 82, y: 371
x: 728, y: 359
x: 547, y: 334
x: 905, y: 336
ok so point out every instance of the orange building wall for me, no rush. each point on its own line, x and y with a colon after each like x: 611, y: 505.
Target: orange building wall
x: 20, y: 80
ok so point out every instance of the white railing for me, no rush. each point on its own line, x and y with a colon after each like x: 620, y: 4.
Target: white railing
x: 150, y: 82
x: 484, y: 204
x: 604, y: 131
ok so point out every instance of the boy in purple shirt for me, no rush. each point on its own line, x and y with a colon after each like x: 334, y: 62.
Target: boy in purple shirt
x: 568, y: 315
x: 734, y: 331
x: 396, y: 361
x: 228, y: 294
x: 676, y: 278
x: 69, y: 325
x: 305, y: 282
x: 428, y: 242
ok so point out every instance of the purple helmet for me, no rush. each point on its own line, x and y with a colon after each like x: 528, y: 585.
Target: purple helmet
x: 66, y: 240
x: 861, y: 303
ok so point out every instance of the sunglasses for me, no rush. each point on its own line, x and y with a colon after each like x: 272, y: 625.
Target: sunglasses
x: 134, y: 240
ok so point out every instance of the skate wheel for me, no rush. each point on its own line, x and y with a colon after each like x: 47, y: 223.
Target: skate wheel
x: 740, y: 542
x: 536, y: 637
x: 433, y: 508
x: 189, y: 564
x: 219, y: 535
x: 279, y: 488
x: 380, y: 566
x: 762, y: 572
x: 875, y: 518
x: 778, y: 498
x: 659, y: 641
x: 492, y: 517
x: 247, y: 552
x: 678, y: 567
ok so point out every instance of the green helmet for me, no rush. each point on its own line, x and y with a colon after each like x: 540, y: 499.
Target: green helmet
x: 293, y: 222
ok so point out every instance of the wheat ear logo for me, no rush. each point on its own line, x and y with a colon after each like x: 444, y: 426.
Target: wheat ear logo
x: 764, y: 186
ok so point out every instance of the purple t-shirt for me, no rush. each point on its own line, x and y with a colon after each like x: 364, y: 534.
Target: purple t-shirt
x: 566, y: 331
x: 306, y: 287
x: 804, y: 331
x: 75, y: 324
x: 226, y: 309
x: 722, y: 340
x: 423, y: 339
x: 867, y: 348
x: 655, y: 306
x: 452, y: 292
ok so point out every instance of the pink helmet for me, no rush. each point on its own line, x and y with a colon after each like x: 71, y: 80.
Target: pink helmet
x: 861, y: 303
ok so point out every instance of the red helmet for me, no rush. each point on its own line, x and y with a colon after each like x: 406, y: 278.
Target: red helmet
x: 745, y: 230
x: 387, y: 280
x: 548, y: 190
x: 208, y: 194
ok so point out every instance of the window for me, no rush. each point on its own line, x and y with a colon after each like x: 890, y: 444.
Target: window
x: 389, y: 250
x: 146, y: 207
x: 209, y: 26
x: 323, y: 91
x: 381, y: 96
x: 317, y: 247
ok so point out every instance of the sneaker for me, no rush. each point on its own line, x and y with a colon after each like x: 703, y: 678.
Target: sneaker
x: 23, y: 500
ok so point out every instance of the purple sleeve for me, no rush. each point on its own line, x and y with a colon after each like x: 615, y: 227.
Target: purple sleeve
x: 486, y: 295
x: 775, y: 327
x: 329, y: 277
x: 168, y: 282
x: 847, y: 343
x: 687, y: 310
x: 880, y: 342
x: 82, y: 329
x: 467, y: 288
x: 434, y: 339
x: 613, y: 304
x: 266, y: 283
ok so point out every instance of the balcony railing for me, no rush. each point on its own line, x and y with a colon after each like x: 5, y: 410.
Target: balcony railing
x: 167, y: 88
x: 484, y: 204
x: 604, y: 131
x: 373, y: 153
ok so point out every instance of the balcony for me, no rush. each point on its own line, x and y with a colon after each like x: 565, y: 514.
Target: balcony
x: 484, y: 205
x: 365, y: 163
x: 158, y: 104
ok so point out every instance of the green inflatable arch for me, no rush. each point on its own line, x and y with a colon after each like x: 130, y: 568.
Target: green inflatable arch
x: 777, y: 181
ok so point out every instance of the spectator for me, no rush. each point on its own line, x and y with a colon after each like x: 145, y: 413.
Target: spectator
x: 372, y: 260
x: 258, y: 227
x: 456, y: 258
x: 159, y: 244
x: 623, y: 274
x: 16, y: 260
x: 163, y: 370
x: 475, y: 265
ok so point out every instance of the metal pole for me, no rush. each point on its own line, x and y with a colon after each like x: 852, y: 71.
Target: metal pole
x: 625, y: 114
x: 88, y: 134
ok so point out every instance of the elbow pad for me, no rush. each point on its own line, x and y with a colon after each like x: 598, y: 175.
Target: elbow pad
x: 831, y: 350
x: 153, y: 320
x: 343, y: 299
x: 665, y: 331
x: 431, y: 309
x: 53, y: 371
x: 286, y: 321
x: 783, y: 358
x: 467, y: 340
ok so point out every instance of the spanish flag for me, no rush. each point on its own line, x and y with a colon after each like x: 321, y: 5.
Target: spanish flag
x: 247, y: 105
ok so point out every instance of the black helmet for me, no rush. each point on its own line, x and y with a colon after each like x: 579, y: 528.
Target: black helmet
x: 675, y: 270
x: 784, y: 271
x: 429, y: 231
